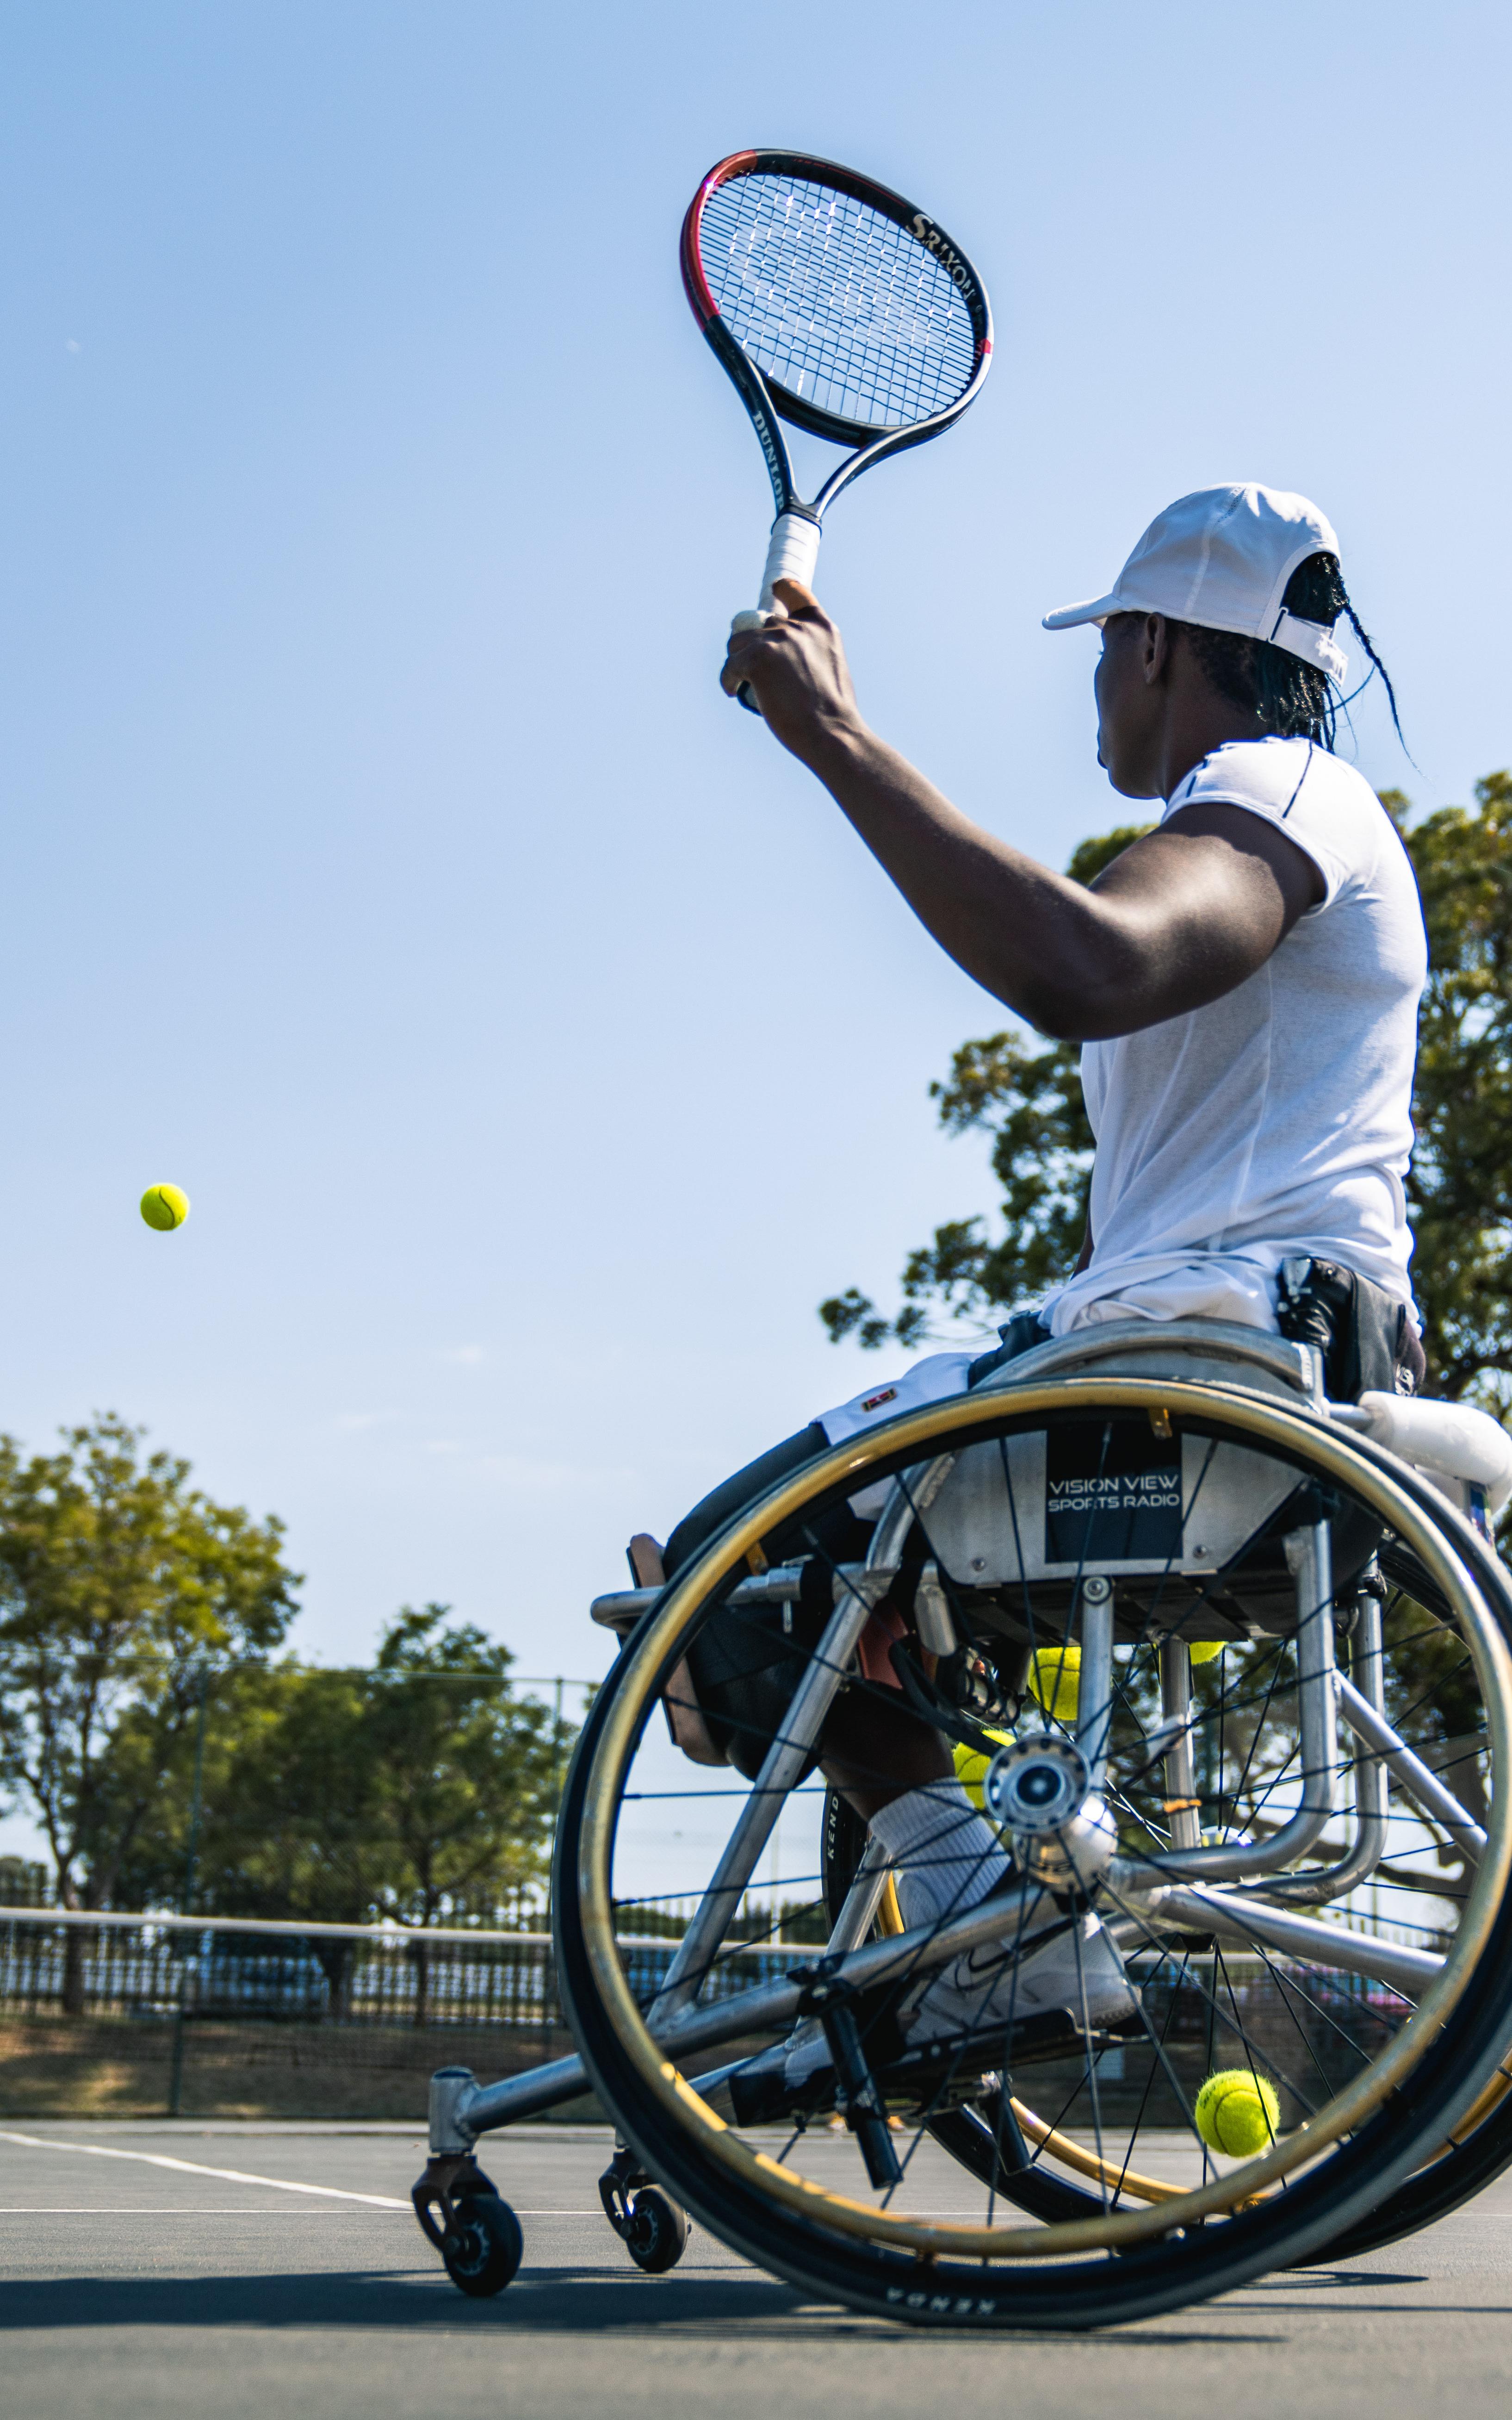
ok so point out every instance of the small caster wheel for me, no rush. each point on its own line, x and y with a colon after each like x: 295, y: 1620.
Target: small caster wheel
x: 655, y: 2236
x: 485, y: 2247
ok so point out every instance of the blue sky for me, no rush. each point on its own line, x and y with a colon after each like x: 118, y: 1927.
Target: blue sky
x: 380, y: 861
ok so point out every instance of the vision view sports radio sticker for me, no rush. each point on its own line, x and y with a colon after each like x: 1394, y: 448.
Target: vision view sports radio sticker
x: 1113, y: 1492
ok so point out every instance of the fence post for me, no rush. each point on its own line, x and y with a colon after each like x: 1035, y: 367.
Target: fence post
x: 176, y: 2076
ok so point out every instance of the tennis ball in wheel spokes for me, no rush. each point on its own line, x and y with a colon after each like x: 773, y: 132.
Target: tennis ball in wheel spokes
x: 165, y: 1206
x: 1238, y: 2112
x: 971, y: 1767
x: 1055, y: 1677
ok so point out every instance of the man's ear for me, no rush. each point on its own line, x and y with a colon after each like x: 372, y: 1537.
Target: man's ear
x: 1155, y: 649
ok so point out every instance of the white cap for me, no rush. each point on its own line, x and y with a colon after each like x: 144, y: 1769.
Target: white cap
x: 1222, y: 558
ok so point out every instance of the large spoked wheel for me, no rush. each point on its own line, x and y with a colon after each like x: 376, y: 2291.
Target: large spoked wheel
x: 1000, y: 2141
x: 1289, y: 1900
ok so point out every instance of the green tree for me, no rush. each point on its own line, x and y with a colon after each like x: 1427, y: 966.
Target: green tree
x: 124, y: 1595
x: 419, y: 1790
x: 465, y: 1775
x: 1025, y: 1097
x: 283, y: 1825
x: 1459, y: 1188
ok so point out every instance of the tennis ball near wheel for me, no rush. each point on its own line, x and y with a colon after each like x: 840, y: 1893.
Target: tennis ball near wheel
x: 1055, y: 1677
x: 165, y: 1206
x: 971, y: 1768
x: 1238, y: 2112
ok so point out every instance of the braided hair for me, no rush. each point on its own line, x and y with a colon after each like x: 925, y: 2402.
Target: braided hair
x: 1291, y: 698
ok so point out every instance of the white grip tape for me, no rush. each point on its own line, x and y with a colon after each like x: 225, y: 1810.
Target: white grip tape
x: 1452, y: 1439
x: 792, y: 554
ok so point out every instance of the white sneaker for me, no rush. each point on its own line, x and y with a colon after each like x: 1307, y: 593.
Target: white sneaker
x: 979, y: 1993
x: 987, y: 1988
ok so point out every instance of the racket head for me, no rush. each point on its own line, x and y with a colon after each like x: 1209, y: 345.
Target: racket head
x: 863, y: 317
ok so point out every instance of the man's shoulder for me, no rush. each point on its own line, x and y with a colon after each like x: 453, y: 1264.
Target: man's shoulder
x: 1325, y: 805
x: 1285, y: 778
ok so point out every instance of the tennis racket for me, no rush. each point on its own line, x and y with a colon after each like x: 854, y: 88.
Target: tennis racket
x: 837, y: 306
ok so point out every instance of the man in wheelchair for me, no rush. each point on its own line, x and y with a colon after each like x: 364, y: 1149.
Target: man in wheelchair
x: 1245, y: 982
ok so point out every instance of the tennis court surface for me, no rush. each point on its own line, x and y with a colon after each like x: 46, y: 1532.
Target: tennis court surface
x: 260, y: 2268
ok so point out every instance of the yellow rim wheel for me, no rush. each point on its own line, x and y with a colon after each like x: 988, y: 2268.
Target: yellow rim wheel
x: 1306, y: 1443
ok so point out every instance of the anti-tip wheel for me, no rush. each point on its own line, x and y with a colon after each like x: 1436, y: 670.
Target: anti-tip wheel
x: 485, y: 2247
x: 656, y: 2236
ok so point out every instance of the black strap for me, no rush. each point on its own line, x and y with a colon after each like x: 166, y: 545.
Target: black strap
x: 1363, y: 1332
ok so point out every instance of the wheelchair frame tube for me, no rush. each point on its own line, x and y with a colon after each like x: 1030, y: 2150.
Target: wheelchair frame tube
x: 1418, y: 1780
x: 1239, y: 1861
x: 1092, y: 1729
x: 1180, y: 1765
x: 789, y: 1752
x: 1242, y: 1918
x: 461, y: 2110
x: 861, y: 1900
x: 1368, y: 1846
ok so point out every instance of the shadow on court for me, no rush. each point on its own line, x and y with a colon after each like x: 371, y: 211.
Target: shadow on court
x: 566, y: 2301
x: 565, y: 2298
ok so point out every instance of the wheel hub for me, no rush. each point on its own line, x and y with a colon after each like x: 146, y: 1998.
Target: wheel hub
x: 1034, y: 1787
x: 1041, y: 1792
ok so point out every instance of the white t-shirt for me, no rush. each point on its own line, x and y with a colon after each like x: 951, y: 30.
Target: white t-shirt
x: 1277, y: 1121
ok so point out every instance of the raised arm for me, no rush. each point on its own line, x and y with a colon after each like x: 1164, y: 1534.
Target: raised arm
x: 1183, y: 916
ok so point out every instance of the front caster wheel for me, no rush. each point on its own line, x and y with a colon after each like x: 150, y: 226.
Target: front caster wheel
x: 655, y: 2236
x: 483, y: 2246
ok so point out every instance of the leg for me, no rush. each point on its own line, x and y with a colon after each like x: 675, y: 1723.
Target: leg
x: 873, y: 1751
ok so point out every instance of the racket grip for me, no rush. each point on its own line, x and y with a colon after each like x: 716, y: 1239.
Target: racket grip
x: 790, y: 554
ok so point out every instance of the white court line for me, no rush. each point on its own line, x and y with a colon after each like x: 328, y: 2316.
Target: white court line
x: 194, y: 2169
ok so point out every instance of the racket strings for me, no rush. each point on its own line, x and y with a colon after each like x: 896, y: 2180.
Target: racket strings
x: 837, y: 304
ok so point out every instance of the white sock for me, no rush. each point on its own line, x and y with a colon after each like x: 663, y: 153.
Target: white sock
x: 945, y: 1856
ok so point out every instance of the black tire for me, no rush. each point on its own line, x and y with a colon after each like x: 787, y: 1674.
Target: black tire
x: 1431, y: 2194
x: 1466, y: 2170
x: 657, y: 2237
x: 485, y: 2247
x: 979, y: 2136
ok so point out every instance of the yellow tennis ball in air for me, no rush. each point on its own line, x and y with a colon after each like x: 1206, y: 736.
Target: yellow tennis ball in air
x: 1238, y: 2112
x: 1055, y: 1677
x: 971, y: 1768
x: 165, y: 1206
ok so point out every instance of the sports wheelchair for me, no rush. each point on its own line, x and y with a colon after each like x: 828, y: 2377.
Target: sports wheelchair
x: 1279, y: 1790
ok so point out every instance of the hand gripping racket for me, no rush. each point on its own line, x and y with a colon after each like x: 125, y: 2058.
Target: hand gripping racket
x: 836, y: 306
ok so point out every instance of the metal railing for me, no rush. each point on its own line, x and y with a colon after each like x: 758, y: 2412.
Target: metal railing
x: 149, y: 1965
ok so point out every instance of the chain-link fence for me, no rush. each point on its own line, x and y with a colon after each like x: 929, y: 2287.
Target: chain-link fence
x: 137, y: 2015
